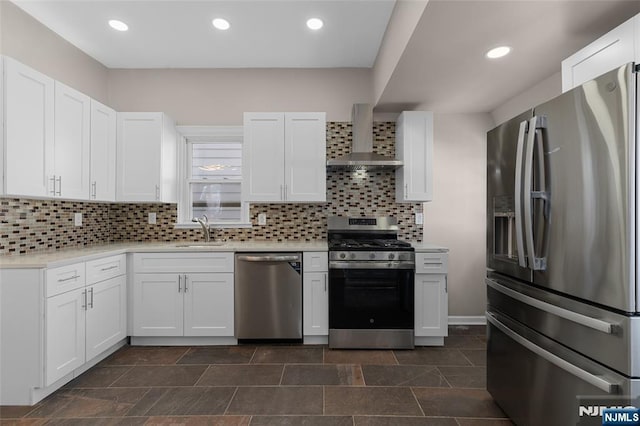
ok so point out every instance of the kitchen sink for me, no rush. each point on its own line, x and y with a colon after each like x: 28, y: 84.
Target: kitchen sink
x: 202, y: 245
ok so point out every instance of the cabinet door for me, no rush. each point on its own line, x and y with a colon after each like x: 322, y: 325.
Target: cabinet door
x: 72, y: 133
x: 29, y: 106
x: 138, y: 152
x: 315, y: 304
x: 106, y: 315
x: 157, y: 305
x: 431, y: 305
x: 263, y: 157
x: 208, y: 305
x: 610, y: 51
x: 414, y: 146
x: 305, y: 162
x: 103, y: 152
x: 65, y: 334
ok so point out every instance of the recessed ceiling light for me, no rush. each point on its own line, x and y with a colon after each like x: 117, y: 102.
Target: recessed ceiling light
x: 118, y: 25
x: 315, y: 23
x: 221, y: 24
x: 498, y: 52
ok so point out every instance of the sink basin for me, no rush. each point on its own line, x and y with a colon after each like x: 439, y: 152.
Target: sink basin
x: 202, y: 245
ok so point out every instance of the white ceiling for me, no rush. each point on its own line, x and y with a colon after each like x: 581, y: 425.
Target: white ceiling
x: 442, y: 68
x: 179, y: 34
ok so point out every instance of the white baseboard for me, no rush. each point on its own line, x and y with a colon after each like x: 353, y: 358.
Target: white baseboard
x: 468, y: 320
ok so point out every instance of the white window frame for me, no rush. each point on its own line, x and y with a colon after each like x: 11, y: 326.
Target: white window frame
x: 187, y: 134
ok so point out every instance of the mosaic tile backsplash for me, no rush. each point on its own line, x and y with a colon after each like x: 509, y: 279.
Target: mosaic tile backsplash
x: 28, y: 225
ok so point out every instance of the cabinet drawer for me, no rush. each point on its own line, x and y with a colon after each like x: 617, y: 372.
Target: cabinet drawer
x: 65, y: 278
x: 183, y: 262
x: 103, y: 269
x: 315, y: 261
x: 431, y: 263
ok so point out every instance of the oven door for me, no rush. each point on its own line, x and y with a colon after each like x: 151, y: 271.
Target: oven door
x: 371, y: 298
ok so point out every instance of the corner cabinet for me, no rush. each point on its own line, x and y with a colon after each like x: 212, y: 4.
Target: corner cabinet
x: 414, y: 147
x: 146, y: 157
x: 431, y: 298
x: 315, y: 297
x: 182, y: 294
x: 29, y: 130
x: 614, y: 49
x: 58, y: 322
x: 284, y: 157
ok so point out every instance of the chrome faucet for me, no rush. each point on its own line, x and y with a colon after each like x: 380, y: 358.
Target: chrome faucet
x: 206, y: 231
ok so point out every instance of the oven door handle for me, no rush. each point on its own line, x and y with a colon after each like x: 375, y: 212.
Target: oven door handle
x: 335, y: 264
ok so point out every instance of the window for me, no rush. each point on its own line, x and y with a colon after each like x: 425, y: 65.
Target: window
x: 212, y: 176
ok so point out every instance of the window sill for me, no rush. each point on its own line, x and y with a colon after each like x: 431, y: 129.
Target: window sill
x: 213, y: 226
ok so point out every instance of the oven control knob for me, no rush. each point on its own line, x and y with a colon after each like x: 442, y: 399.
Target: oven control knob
x: 392, y: 256
x: 353, y: 255
x: 372, y: 255
x: 342, y: 255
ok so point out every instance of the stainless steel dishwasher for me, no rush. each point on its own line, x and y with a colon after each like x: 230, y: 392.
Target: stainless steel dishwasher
x: 268, y: 296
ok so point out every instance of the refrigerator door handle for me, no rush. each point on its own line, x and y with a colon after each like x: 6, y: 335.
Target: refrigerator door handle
x: 592, y: 379
x: 535, y: 263
x: 587, y: 321
x: 522, y: 261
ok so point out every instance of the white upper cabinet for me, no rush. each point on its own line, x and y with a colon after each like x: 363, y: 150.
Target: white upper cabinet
x: 103, y: 152
x: 146, y: 152
x: 414, y: 146
x: 72, y: 144
x: 285, y: 157
x: 616, y: 48
x: 29, y: 130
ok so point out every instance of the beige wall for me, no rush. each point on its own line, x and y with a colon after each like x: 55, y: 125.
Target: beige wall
x: 28, y: 41
x: 220, y: 96
x: 541, y: 92
x: 456, y: 216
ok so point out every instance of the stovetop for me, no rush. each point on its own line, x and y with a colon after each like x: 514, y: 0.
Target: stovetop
x: 369, y: 245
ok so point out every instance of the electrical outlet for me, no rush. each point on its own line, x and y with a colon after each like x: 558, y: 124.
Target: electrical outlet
x: 77, y: 219
x: 262, y: 219
x: 152, y: 218
x: 419, y: 219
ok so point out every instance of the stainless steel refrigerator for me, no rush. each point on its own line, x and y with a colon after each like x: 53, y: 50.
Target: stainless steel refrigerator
x: 562, y: 255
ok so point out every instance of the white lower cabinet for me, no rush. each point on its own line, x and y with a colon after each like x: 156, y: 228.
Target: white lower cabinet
x: 182, y: 302
x: 315, y: 294
x: 56, y: 323
x: 84, y: 322
x: 431, y: 298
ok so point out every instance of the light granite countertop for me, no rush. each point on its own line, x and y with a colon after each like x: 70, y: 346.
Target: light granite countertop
x: 55, y: 258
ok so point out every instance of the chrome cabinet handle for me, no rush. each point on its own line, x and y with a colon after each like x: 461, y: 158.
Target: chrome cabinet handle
x: 325, y: 283
x: 53, y: 180
x: 185, y: 283
x: 157, y: 192
x: 518, y: 194
x: 59, y: 186
x: 179, y: 283
x: 91, y: 303
x: 94, y: 184
x: 587, y: 321
x: 406, y: 191
x: 84, y: 298
x: 109, y: 268
x: 61, y: 280
x: 588, y: 377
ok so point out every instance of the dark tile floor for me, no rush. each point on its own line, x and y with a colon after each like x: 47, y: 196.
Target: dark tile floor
x: 278, y: 385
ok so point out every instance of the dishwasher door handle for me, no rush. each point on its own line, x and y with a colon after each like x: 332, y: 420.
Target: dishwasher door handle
x: 269, y: 258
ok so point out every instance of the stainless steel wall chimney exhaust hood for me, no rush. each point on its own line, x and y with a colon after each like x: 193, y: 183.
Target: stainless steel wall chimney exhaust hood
x: 362, y: 155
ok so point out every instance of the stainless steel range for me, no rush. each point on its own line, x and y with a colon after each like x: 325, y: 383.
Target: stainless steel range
x: 371, y: 284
